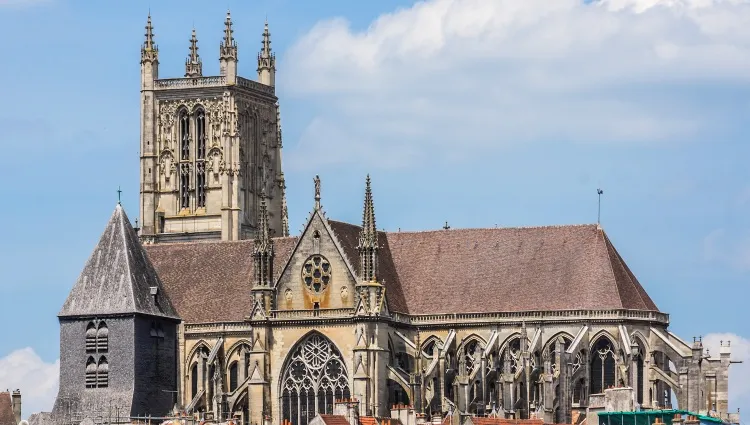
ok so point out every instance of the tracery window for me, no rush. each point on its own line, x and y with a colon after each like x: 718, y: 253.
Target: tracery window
x: 316, y: 273
x: 184, y: 185
x: 314, y: 376
x: 184, y: 135
x: 472, y: 356
x: 602, y: 366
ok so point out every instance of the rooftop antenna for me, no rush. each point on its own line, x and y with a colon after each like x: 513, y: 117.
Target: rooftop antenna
x: 599, y: 208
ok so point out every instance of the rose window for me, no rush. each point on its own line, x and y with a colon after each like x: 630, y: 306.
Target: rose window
x: 316, y: 273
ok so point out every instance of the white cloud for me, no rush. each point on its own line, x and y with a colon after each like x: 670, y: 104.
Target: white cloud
x: 488, y: 73
x: 38, y: 381
x: 739, y: 374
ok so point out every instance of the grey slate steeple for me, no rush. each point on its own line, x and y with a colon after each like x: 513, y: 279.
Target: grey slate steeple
x: 118, y: 277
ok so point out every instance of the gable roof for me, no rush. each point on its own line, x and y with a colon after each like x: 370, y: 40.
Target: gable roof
x: 513, y: 269
x: 207, y: 281
x: 118, y: 277
x: 432, y: 272
x: 7, y: 417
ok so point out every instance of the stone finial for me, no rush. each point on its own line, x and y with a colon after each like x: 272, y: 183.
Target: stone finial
x: 368, y: 238
x: 316, y: 180
x: 193, y: 64
x: 266, y: 60
x: 228, y: 47
x: 149, y: 50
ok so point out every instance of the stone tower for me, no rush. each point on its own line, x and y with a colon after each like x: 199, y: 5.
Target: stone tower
x: 118, y: 334
x: 210, y: 146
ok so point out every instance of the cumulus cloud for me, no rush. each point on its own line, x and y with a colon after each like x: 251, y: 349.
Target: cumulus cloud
x: 38, y: 381
x: 739, y: 374
x: 483, y: 74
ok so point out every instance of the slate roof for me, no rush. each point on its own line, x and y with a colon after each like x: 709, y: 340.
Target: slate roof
x: 7, y: 417
x: 118, y: 277
x: 443, y: 271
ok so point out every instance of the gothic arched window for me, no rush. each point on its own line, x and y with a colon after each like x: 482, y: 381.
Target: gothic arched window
x: 194, y: 381
x: 200, y: 158
x: 91, y: 373
x: 102, y: 338
x: 102, y: 373
x: 314, y: 376
x: 233, y: 375
x: 91, y: 337
x: 184, y: 135
x: 602, y: 366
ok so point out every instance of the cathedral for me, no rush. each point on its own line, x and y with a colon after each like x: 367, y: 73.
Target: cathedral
x: 210, y: 308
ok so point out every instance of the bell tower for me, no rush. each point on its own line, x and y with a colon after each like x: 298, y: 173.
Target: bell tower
x: 210, y: 147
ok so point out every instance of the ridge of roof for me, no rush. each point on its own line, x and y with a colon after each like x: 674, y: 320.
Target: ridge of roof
x: 457, y: 229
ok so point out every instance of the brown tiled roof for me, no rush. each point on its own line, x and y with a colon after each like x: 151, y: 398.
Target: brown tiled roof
x: 444, y: 271
x: 513, y: 269
x: 211, y: 281
x: 334, y: 420
x: 6, y: 410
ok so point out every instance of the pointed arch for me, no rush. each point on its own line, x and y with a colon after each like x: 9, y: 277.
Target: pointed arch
x: 102, y: 373
x: 553, y: 339
x: 314, y: 375
x: 470, y: 353
x: 91, y: 372
x: 201, y: 344
x: 430, y: 343
x: 602, y: 363
x: 102, y: 337
x: 606, y: 334
x: 90, y: 337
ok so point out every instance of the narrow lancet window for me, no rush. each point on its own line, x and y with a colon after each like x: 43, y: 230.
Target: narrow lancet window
x: 184, y: 186
x: 91, y: 373
x: 91, y: 337
x: 102, y: 373
x: 184, y: 135
x: 102, y: 338
x: 200, y: 159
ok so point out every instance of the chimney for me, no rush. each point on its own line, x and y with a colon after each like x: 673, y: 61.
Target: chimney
x: 16, y: 401
x: 692, y: 420
x: 348, y: 408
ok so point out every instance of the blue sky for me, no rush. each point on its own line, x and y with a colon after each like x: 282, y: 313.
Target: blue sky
x: 475, y: 112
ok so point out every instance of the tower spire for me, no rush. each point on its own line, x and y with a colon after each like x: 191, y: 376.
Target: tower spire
x: 149, y: 50
x: 368, y: 238
x: 228, y: 52
x: 266, y: 60
x: 263, y: 249
x: 228, y: 47
x: 193, y: 63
